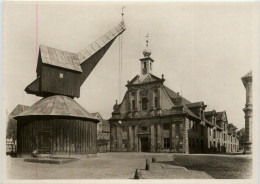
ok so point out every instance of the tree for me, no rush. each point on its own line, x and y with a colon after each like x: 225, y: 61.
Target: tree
x: 11, y: 131
x: 241, y: 137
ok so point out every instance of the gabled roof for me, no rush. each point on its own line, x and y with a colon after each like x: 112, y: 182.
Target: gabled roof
x: 210, y: 113
x: 18, y: 109
x: 173, y: 94
x: 57, y: 105
x: 221, y: 116
x: 95, y: 114
x: 143, y: 79
x: 59, y: 58
x: 190, y: 112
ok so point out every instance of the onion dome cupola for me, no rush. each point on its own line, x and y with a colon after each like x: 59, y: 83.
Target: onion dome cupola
x: 146, y: 62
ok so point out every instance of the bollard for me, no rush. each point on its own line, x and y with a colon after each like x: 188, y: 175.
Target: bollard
x: 153, y: 159
x: 147, y: 165
x: 137, y: 174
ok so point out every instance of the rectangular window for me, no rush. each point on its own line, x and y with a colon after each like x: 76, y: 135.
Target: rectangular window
x: 61, y: 75
x: 166, y: 143
x: 133, y: 104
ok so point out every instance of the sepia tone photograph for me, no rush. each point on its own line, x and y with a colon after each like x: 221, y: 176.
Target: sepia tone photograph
x: 130, y: 91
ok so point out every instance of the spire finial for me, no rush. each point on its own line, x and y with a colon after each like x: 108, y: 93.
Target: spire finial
x: 122, y: 13
x: 147, y: 36
x: 146, y: 51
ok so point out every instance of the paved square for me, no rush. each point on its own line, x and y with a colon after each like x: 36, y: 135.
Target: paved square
x: 123, y: 166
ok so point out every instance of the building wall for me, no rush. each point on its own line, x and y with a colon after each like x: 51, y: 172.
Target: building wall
x: 56, y: 135
x: 52, y: 82
x: 163, y: 135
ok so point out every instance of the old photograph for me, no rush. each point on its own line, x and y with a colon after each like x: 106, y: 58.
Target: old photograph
x: 130, y: 91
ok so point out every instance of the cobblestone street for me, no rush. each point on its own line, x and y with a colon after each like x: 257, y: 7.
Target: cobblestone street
x: 123, y: 166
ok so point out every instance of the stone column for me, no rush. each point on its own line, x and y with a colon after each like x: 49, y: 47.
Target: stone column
x: 119, y: 137
x: 136, y: 139
x: 113, y: 138
x: 138, y: 107
x: 130, y: 139
x: 152, y: 139
x: 185, y: 136
x: 130, y: 101
x: 172, y: 137
x: 248, y: 110
x: 159, y: 137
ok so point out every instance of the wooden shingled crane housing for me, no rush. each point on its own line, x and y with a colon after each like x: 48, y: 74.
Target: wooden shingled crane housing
x: 57, y: 124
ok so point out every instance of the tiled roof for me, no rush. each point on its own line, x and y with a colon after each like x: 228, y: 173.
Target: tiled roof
x: 60, y: 58
x: 210, y: 113
x: 18, y: 109
x: 173, y: 94
x: 195, y: 104
x: 57, y: 106
x: 190, y: 112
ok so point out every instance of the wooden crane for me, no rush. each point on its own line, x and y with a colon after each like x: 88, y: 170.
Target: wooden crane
x: 63, y: 73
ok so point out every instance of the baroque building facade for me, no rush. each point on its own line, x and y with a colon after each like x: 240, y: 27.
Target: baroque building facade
x: 153, y: 118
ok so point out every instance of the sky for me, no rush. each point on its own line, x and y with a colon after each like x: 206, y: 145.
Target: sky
x: 203, y: 49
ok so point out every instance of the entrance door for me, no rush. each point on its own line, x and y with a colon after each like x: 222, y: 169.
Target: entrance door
x: 144, y: 144
x: 44, y: 142
x: 202, y: 146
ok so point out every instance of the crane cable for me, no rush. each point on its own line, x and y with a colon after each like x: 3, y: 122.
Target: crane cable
x: 120, y: 65
x: 120, y: 55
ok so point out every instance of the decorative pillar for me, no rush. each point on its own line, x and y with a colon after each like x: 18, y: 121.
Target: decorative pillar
x: 119, y: 137
x: 136, y: 139
x: 130, y: 139
x: 152, y: 139
x: 113, y: 138
x: 159, y: 137
x: 185, y: 135
x: 172, y: 138
x: 248, y: 110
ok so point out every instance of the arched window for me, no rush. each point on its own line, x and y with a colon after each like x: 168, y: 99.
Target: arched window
x: 156, y: 102
x: 133, y: 104
x: 144, y: 104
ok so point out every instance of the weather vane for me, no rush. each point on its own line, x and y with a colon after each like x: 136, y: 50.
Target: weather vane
x: 122, y: 13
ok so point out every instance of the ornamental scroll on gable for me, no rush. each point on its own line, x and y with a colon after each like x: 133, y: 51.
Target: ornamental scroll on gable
x: 177, y: 100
